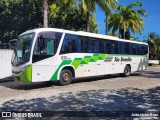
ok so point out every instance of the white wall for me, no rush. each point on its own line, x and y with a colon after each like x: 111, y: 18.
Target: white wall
x: 154, y: 61
x: 5, y: 63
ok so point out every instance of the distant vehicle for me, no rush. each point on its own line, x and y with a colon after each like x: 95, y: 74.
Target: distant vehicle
x: 12, y: 43
x: 49, y: 54
x: 4, y: 46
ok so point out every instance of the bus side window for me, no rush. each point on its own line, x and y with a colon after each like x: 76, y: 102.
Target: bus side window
x: 127, y: 50
x: 133, y: 49
x: 93, y: 45
x: 71, y: 44
x: 96, y: 47
x: 115, y: 47
x: 102, y: 46
x: 144, y: 49
x: 108, y: 47
x: 138, y: 49
x: 85, y: 44
x: 122, y: 47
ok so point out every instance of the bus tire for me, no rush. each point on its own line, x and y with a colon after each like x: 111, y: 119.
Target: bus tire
x: 65, y: 77
x: 127, y: 71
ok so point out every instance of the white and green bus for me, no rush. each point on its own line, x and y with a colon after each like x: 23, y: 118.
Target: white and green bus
x: 49, y: 54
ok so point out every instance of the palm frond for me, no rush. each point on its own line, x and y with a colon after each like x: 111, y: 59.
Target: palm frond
x: 134, y: 4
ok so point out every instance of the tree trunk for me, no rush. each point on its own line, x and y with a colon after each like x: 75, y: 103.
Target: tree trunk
x: 45, y: 13
x: 106, y: 25
x: 121, y: 33
x: 127, y: 35
x: 88, y: 22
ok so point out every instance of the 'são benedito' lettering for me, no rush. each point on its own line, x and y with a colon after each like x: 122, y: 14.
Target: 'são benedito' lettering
x: 122, y: 59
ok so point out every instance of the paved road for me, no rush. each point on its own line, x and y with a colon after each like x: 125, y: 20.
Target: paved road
x: 104, y: 93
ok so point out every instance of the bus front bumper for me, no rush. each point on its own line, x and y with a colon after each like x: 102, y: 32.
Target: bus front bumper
x: 25, y: 75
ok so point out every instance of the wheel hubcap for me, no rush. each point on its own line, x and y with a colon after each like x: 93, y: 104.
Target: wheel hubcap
x: 66, y: 77
x: 127, y: 71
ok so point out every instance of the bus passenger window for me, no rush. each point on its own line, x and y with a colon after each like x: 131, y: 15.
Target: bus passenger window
x: 138, y: 49
x: 115, y: 47
x: 102, y: 46
x: 127, y: 50
x: 108, y: 47
x: 133, y: 49
x: 71, y: 44
x: 122, y: 48
x: 144, y: 49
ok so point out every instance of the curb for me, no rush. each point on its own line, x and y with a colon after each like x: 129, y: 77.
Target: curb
x: 7, y: 79
x: 149, y: 75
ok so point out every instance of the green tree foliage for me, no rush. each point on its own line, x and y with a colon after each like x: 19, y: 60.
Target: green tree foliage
x: 107, y: 9
x: 88, y: 7
x: 69, y: 16
x: 17, y: 16
x: 65, y: 15
x: 154, y: 46
x: 127, y: 19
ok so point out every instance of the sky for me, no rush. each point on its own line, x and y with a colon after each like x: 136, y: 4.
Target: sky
x: 151, y: 22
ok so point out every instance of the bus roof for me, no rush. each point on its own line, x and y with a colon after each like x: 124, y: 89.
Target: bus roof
x: 83, y: 34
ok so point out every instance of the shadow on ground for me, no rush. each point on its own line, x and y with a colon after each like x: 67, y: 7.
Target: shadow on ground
x: 151, y: 74
x: 128, y: 99
x: 28, y: 86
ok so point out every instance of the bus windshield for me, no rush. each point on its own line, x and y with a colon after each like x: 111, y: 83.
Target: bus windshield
x: 22, y: 51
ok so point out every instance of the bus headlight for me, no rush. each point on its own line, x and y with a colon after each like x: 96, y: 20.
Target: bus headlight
x: 23, y: 69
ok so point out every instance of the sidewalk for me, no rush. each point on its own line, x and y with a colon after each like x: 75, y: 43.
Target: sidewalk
x: 152, y: 72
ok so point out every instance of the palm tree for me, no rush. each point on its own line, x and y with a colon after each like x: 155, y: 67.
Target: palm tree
x: 66, y: 5
x: 127, y: 19
x: 108, y: 11
x: 154, y: 46
x: 89, y: 7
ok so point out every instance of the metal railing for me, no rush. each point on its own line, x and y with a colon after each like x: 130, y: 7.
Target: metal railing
x: 9, y: 45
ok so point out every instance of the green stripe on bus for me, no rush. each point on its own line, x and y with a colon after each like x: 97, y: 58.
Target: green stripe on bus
x: 76, y: 63
x: 82, y: 62
x: 87, y: 56
x: 85, y: 60
x: 96, y: 54
x: 64, y: 62
x: 78, y: 59
x: 102, y: 56
x: 95, y: 58
x: 91, y: 60
x: 26, y: 76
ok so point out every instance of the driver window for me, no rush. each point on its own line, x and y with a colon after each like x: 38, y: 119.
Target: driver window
x: 46, y: 45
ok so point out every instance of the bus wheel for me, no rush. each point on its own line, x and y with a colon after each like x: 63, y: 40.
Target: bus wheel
x: 65, y: 77
x: 127, y: 71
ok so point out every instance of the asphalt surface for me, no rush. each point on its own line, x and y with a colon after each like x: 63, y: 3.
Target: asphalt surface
x: 139, y: 92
